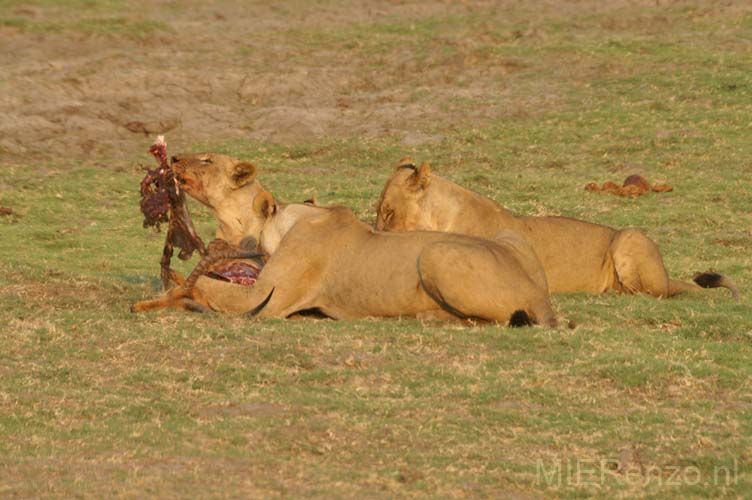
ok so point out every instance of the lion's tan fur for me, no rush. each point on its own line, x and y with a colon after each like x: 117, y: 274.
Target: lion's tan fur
x: 324, y: 258
x: 577, y: 256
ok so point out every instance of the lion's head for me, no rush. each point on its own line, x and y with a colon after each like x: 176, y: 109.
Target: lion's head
x: 211, y: 178
x: 278, y: 218
x: 403, y: 205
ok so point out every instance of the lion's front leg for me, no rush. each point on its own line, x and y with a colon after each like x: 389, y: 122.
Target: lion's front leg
x: 174, y: 297
x: 296, y: 282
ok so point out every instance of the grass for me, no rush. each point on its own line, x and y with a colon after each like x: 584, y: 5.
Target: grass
x: 95, y: 401
x: 111, y: 18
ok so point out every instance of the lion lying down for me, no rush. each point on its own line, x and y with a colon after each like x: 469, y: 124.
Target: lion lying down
x: 577, y: 256
x: 325, y: 259
x: 227, y: 186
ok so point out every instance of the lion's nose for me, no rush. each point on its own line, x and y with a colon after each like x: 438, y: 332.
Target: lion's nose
x: 174, y: 159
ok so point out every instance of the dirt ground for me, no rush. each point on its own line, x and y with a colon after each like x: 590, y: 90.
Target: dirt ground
x: 221, y: 70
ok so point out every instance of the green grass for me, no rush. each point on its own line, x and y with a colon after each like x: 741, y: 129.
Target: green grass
x: 95, y: 401
x: 90, y: 17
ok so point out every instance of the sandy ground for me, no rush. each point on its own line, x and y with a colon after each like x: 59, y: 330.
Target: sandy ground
x: 222, y: 70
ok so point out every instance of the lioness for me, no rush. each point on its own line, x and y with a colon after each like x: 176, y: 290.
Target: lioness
x: 228, y: 187
x: 325, y: 259
x: 577, y: 256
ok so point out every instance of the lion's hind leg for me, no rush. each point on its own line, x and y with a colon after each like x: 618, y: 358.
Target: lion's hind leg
x: 639, y: 269
x: 525, y: 255
x: 480, y: 282
x: 638, y: 264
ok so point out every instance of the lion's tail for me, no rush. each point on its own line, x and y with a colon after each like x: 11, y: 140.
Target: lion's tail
x: 715, y: 280
x: 520, y: 317
x: 540, y: 316
x: 703, y: 280
x: 544, y: 313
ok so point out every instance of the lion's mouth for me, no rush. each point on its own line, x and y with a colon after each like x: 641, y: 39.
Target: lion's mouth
x: 239, y: 273
x: 181, y: 181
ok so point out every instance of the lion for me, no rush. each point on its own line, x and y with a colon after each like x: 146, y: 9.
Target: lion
x: 577, y: 256
x: 227, y: 186
x: 324, y: 259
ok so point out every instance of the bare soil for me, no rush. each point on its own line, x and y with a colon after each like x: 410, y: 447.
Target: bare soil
x: 224, y: 70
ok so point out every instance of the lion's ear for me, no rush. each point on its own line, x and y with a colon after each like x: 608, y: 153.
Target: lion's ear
x: 264, y: 204
x: 311, y: 200
x: 421, y: 177
x: 243, y: 173
x: 405, y: 162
